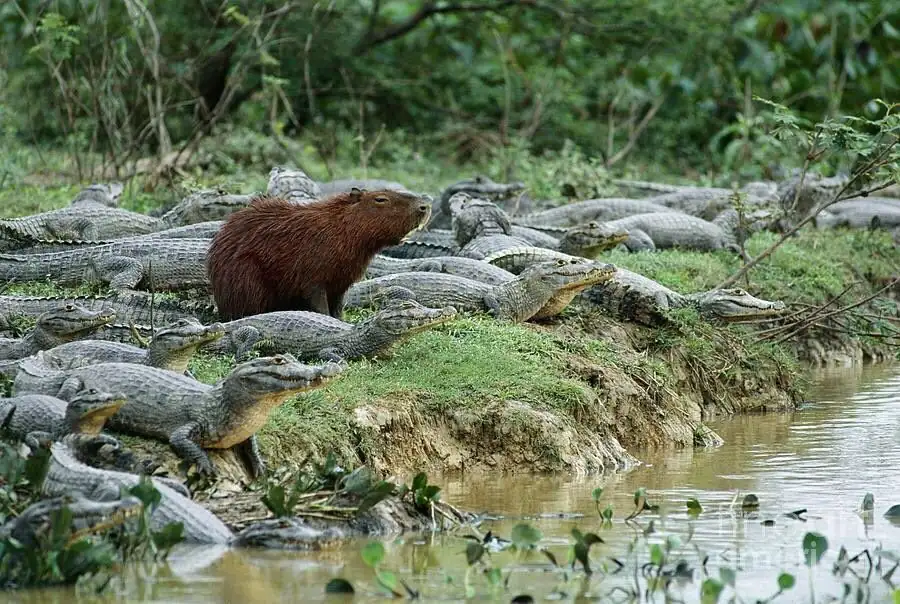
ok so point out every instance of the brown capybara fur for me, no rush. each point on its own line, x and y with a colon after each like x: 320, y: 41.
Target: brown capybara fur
x: 277, y: 255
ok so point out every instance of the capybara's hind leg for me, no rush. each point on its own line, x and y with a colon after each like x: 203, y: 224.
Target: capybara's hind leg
x: 336, y: 305
x: 318, y: 300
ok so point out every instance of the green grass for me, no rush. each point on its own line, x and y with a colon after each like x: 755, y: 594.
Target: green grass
x: 811, y: 267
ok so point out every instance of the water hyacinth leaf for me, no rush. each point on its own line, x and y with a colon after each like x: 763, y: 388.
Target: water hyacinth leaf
x: 388, y: 580
x: 693, y: 506
x: 168, y: 536
x: 494, y: 576
x: 525, y: 535
x: 814, y: 547
x: 373, y: 553
x: 380, y: 491
x: 786, y: 581
x: 420, y: 481
x: 474, y: 553
x: 146, y: 492
x: 596, y: 494
x: 274, y: 500
x: 727, y: 575
x: 580, y: 551
x: 710, y: 591
x: 339, y: 586
x: 656, y: 554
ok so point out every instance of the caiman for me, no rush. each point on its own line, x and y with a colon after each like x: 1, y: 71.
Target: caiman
x: 451, y: 265
x: 67, y: 474
x: 633, y: 297
x: 102, y: 194
x: 170, y: 348
x: 168, y: 264
x: 190, y: 415
x: 314, y: 336
x: 55, y: 327
x: 34, y: 526
x: 204, y: 206
x: 30, y: 417
x: 519, y: 299
x: 81, y: 221
x: 292, y: 184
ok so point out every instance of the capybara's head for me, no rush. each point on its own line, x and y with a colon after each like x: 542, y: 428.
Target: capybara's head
x: 386, y: 216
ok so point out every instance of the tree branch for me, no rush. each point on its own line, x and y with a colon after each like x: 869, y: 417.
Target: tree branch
x: 427, y: 10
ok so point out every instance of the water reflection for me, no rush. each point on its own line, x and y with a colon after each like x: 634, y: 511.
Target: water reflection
x: 822, y: 459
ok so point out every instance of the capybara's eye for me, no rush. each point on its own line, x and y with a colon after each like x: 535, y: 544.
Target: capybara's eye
x: 381, y: 199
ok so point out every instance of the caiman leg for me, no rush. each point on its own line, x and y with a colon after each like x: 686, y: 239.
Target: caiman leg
x: 248, y: 453
x: 184, y: 442
x: 121, y: 272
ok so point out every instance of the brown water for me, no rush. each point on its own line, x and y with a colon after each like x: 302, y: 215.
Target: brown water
x: 823, y: 458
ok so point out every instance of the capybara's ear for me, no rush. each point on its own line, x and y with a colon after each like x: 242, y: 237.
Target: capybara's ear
x: 355, y: 194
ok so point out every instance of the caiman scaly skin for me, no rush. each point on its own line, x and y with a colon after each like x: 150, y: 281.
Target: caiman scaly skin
x: 126, y: 265
x: 480, y: 186
x: 204, y: 206
x: 483, y: 228
x: 199, y: 230
x: 29, y: 417
x: 590, y: 210
x: 34, y: 525
x: 81, y: 221
x: 661, y: 230
x: 192, y: 416
x: 411, y: 249
x: 370, y: 184
x: 54, y: 327
x: 170, y: 348
x: 451, y: 265
x: 133, y: 307
x: 314, y: 336
x: 67, y: 474
x: 861, y: 213
x: 292, y: 184
x: 708, y: 202
x: 633, y: 297
x: 517, y: 300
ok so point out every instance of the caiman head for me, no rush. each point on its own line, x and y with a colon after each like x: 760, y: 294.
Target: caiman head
x: 282, y: 375
x: 173, y: 346
x: 473, y: 217
x: 406, y: 317
x: 734, y: 305
x: 590, y: 239
x: 254, y: 388
x: 89, y: 409
x: 291, y: 184
x: 565, y: 278
x: 72, y: 321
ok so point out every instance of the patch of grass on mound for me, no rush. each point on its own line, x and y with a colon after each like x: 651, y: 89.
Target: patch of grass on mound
x: 811, y: 267
x: 463, y: 365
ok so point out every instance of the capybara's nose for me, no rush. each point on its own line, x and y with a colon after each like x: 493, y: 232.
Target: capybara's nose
x: 424, y: 208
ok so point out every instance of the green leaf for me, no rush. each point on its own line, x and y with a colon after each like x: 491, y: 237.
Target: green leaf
x: 339, y: 586
x: 596, y: 494
x: 420, y: 481
x: 656, y: 554
x: 494, y: 576
x: 693, y: 506
x: 274, y: 500
x: 474, y: 552
x: 525, y: 535
x: 814, y: 547
x: 710, y: 591
x: 388, y: 580
x: 380, y: 491
x: 373, y: 553
x: 786, y: 581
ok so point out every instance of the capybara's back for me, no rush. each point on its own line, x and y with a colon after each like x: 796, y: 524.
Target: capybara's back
x: 277, y: 255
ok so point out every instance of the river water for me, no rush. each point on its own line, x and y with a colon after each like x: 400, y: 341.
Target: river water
x: 823, y: 458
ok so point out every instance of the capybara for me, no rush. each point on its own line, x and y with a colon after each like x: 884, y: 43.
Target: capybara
x: 277, y: 255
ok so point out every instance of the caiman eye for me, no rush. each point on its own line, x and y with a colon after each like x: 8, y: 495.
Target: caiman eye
x: 69, y: 308
x: 279, y: 360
